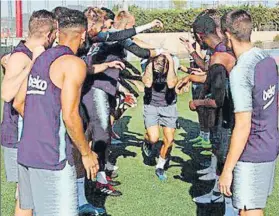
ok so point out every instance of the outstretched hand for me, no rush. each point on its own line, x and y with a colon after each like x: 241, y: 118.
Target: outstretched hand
x: 187, y: 44
x: 157, y: 23
x: 183, y: 85
x: 198, y: 72
x: 116, y: 64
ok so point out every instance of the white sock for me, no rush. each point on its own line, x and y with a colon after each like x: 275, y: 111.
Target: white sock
x: 161, y: 163
x: 101, y: 177
x: 201, y: 134
x: 206, y: 136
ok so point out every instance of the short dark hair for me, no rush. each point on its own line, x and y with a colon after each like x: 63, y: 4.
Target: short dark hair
x: 239, y: 24
x: 60, y: 11
x: 42, y: 21
x: 205, y: 25
x: 214, y: 14
x: 73, y: 19
x: 109, y: 13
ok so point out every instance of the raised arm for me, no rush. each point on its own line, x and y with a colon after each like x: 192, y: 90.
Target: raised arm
x: 124, y: 34
x: 74, y: 76
x: 171, y: 76
x: 147, y: 77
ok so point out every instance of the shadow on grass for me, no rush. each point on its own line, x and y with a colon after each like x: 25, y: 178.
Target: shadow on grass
x: 128, y: 138
x: 189, y: 169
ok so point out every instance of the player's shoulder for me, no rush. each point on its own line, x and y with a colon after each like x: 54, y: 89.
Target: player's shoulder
x: 72, y: 61
x: 19, y: 56
x: 219, y: 57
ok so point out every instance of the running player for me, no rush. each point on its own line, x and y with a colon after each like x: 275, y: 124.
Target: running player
x: 160, y: 109
x: 250, y: 163
x: 42, y: 27
x: 52, y: 99
x: 213, y: 96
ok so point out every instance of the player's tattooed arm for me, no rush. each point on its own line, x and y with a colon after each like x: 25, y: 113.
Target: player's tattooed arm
x: 74, y: 76
x: 147, y: 78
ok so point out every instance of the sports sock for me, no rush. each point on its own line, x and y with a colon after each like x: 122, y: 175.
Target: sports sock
x: 102, y: 178
x: 201, y: 134
x: 206, y: 136
x: 81, y: 192
x: 161, y: 163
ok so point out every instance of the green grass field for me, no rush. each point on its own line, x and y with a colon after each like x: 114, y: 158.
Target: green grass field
x: 143, y: 193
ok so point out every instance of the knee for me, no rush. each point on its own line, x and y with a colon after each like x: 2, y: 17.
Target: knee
x: 168, y: 140
x: 153, y: 138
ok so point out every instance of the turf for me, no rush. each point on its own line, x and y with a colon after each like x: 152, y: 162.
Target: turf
x: 143, y: 193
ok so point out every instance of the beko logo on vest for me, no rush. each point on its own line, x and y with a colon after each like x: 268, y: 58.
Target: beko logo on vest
x: 38, y: 85
x: 269, y: 94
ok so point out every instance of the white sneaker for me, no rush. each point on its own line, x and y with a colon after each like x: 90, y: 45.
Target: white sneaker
x: 208, y: 177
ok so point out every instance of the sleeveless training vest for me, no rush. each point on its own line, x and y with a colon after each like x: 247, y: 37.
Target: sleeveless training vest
x: 45, y: 143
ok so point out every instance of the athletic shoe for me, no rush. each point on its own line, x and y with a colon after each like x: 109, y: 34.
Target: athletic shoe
x: 211, y: 197
x: 112, y: 183
x: 107, y: 189
x: 197, y: 139
x: 203, y: 144
x: 161, y: 174
x: 90, y: 209
x: 208, y: 177
x: 206, y: 153
x: 206, y: 170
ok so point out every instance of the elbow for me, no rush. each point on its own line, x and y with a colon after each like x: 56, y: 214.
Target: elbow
x: 172, y: 83
x: 244, y: 127
x: 68, y: 119
x: 147, y: 82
